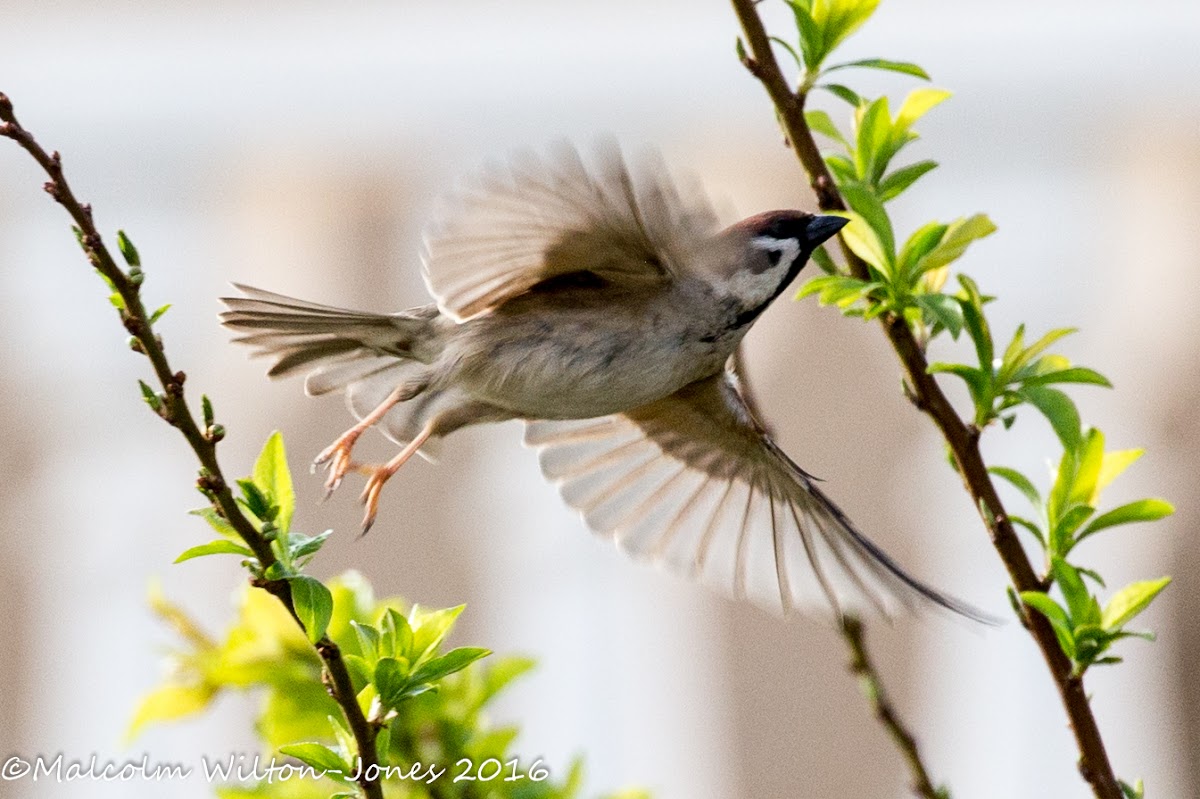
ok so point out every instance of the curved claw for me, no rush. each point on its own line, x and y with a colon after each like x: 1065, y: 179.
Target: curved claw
x: 378, y: 475
x: 370, y: 495
x: 336, y: 458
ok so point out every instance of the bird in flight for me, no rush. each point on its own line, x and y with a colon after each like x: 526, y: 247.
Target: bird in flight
x: 599, y: 304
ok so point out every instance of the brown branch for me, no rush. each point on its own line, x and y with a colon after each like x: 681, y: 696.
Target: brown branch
x: 962, y: 438
x: 853, y: 632
x: 862, y: 667
x: 175, y: 411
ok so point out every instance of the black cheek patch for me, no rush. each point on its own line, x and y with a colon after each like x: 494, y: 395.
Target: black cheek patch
x: 759, y: 265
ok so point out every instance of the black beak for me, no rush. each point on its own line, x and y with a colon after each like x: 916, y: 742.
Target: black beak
x: 822, y: 228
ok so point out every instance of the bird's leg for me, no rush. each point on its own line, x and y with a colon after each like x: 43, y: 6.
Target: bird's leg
x: 378, y: 475
x: 337, y: 454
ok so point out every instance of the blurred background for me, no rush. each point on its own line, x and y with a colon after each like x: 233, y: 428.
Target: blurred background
x: 301, y: 147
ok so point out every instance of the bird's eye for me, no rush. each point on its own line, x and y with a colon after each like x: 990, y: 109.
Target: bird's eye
x: 773, y: 256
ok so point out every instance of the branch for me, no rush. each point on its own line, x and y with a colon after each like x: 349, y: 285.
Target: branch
x: 862, y: 667
x: 175, y: 411
x: 853, y: 632
x: 962, y: 438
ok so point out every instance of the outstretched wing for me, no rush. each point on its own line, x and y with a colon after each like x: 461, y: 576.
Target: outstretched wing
x: 693, y: 483
x: 541, y: 218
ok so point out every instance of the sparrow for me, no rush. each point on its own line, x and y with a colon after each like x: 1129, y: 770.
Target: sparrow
x: 600, y: 305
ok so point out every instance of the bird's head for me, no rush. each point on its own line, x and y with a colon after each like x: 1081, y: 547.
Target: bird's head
x: 766, y: 253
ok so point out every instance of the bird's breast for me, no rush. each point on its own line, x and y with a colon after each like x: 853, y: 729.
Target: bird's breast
x: 575, y: 360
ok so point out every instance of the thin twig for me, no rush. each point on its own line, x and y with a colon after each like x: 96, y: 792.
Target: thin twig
x: 176, y: 412
x: 862, y: 666
x: 854, y: 632
x: 962, y: 438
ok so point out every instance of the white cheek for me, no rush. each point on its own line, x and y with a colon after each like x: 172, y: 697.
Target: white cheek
x: 788, y: 249
x: 755, y: 288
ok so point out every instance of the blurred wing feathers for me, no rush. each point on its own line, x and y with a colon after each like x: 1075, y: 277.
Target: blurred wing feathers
x: 691, y: 482
x: 541, y: 218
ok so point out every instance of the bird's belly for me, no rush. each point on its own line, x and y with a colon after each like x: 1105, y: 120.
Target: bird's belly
x: 564, y: 373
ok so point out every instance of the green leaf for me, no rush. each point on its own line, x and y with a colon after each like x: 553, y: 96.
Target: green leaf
x: 895, y: 183
x: 150, y: 397
x: 1043, y: 343
x: 158, y: 314
x: 255, y: 501
x: 958, y: 236
x: 128, y: 251
x: 864, y: 242
x: 1085, y: 484
x: 821, y: 258
x: 1017, y: 359
x: 429, y: 628
x: 840, y: 290
x: 1143, y: 510
x: 383, y: 743
x: 1062, y: 536
x: 812, y: 45
x: 272, y: 476
x: 943, y: 310
x: 207, y: 408
x: 976, y: 323
x: 880, y: 63
x: 277, y: 571
x: 369, y: 641
x: 1058, y: 408
x: 1114, y: 464
x: 864, y: 202
x: 391, y: 680
x: 1090, y: 641
x: 313, y: 604
x: 300, y: 546
x: 837, y: 19
x: 820, y: 283
x: 221, y: 546
x: 976, y: 380
x: 454, y: 660
x: 922, y: 240
x: 1012, y: 354
x: 1036, y: 531
x: 1019, y: 482
x: 168, y: 703
x: 844, y: 93
x: 396, y: 637
x: 1091, y: 574
x: 820, y: 122
x: 1057, y: 617
x: 1080, y: 606
x: 872, y: 136
x: 741, y: 50
x: 321, y: 758
x: 1135, y: 791
x: 360, y: 673
x: 844, y: 172
x: 1075, y: 374
x: 215, y: 521
x: 1130, y: 601
x: 917, y: 104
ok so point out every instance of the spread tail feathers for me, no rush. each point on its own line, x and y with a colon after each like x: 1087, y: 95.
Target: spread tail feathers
x: 365, y: 355
x: 336, y: 346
